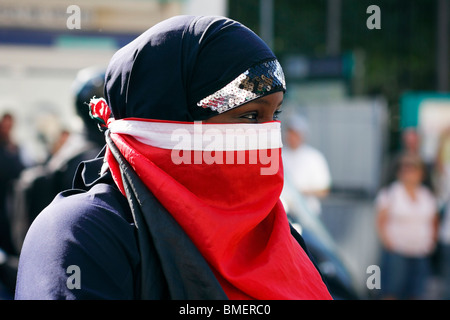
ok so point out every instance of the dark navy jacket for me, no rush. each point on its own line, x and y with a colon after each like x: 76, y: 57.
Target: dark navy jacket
x: 91, y: 229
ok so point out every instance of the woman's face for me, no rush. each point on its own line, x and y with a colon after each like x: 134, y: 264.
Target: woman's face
x: 411, y: 174
x: 261, y: 110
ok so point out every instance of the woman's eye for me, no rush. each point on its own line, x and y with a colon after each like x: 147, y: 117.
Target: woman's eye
x: 250, y: 116
x: 276, y: 114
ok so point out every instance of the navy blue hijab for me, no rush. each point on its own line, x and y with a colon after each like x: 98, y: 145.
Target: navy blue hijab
x: 164, y: 72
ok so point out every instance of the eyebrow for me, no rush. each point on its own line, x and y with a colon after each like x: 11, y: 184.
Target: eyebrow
x: 262, y: 101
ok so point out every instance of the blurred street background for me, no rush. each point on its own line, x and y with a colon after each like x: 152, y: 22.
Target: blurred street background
x: 358, y: 78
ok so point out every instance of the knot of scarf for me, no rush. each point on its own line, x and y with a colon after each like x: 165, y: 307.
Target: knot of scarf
x: 100, y: 112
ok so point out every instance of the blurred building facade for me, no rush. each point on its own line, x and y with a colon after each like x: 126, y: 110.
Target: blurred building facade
x: 42, y: 49
x: 332, y: 58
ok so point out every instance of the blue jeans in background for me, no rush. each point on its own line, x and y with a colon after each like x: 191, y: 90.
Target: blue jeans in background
x: 404, y: 277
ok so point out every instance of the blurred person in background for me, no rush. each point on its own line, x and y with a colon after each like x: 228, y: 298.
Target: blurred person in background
x: 444, y: 250
x: 411, y: 141
x: 38, y: 185
x: 10, y: 168
x: 442, y: 178
x: 407, y: 226
x: 441, y: 174
x: 410, y: 144
x: 305, y: 166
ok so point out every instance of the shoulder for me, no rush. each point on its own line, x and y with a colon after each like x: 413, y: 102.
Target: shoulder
x: 427, y: 194
x: 313, y: 153
x: 387, y: 194
x: 92, y: 230
x: 102, y: 207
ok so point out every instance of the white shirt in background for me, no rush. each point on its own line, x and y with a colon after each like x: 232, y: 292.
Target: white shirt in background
x: 410, y: 222
x: 307, y: 169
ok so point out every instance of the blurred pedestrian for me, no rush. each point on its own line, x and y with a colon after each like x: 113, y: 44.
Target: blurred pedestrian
x: 10, y: 168
x: 444, y: 251
x: 410, y: 144
x: 443, y: 188
x: 442, y: 168
x: 407, y: 226
x: 304, y: 165
x: 38, y: 185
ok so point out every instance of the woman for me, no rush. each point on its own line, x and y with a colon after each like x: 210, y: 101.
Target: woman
x: 407, y: 225
x: 186, y: 205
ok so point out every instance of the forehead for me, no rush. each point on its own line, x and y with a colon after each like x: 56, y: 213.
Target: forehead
x: 273, y: 100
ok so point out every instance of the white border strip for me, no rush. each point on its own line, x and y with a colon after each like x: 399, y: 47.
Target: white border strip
x: 198, y: 136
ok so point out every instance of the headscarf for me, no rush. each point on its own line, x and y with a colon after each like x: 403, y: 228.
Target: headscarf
x: 170, y: 68
x: 182, y: 70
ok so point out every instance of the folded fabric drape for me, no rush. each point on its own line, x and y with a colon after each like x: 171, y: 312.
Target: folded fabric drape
x: 230, y: 211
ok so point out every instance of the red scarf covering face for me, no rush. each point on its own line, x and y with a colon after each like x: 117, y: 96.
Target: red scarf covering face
x: 228, y: 205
